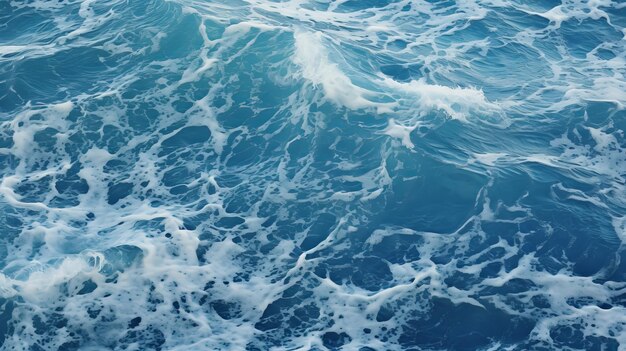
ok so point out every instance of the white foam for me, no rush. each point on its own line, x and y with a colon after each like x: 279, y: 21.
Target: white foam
x: 58, y: 249
x: 489, y: 159
x: 312, y: 57
x: 456, y: 102
x: 401, y: 132
x: 619, y: 224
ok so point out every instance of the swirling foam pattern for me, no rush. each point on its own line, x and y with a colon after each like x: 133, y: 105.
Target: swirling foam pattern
x: 312, y: 175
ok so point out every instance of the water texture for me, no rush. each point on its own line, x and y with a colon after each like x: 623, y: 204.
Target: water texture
x: 312, y: 175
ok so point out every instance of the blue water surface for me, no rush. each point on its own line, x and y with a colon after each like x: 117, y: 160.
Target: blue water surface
x: 312, y: 175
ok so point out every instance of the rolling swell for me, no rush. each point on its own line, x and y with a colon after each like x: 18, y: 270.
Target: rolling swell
x: 358, y: 175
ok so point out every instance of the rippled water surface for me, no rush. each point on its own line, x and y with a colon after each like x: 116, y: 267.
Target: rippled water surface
x: 312, y: 175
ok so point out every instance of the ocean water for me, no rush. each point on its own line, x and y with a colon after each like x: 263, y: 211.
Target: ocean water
x: 312, y: 175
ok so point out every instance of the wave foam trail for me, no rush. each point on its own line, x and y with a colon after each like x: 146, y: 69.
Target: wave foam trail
x: 312, y: 175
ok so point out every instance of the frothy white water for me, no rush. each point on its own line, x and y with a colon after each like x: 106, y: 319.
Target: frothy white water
x: 303, y: 174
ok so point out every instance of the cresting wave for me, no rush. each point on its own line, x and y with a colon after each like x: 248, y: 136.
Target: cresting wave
x: 312, y: 175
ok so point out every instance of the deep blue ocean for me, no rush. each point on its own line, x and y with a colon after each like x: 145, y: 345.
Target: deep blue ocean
x: 312, y: 175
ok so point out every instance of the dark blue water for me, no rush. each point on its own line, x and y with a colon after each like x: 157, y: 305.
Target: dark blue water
x: 312, y: 175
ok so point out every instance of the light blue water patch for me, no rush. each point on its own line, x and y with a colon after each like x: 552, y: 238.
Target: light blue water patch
x: 312, y: 175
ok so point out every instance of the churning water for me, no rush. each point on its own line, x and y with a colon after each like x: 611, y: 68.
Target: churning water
x: 312, y: 175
